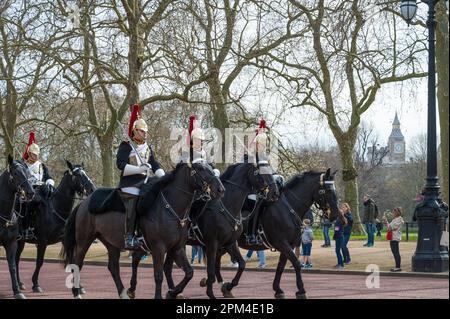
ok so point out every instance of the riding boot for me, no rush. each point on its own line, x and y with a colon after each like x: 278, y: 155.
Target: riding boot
x: 253, y: 238
x: 131, y: 243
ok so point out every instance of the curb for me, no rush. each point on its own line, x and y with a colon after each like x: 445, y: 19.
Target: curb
x: 287, y: 270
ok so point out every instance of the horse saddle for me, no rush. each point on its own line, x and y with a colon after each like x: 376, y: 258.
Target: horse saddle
x: 106, y: 200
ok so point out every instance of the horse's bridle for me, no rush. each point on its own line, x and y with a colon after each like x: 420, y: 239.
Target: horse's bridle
x: 324, y: 186
x: 265, y: 189
x: 19, y: 187
x: 205, y: 183
x: 83, y: 191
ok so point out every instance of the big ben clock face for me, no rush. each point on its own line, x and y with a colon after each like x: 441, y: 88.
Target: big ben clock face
x: 398, y: 148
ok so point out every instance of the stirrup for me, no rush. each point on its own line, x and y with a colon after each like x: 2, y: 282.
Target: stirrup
x: 132, y: 243
x: 252, y: 240
x: 28, y: 234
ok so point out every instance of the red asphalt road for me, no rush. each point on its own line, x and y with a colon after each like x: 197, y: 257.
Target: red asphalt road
x: 254, y: 284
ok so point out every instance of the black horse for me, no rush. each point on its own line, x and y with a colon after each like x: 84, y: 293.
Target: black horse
x: 218, y: 223
x: 14, y: 190
x: 52, y: 214
x: 163, y: 224
x: 280, y: 221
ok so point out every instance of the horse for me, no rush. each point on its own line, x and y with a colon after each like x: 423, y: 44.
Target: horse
x: 162, y: 222
x: 219, y: 222
x: 15, y: 189
x: 281, y: 221
x: 52, y: 215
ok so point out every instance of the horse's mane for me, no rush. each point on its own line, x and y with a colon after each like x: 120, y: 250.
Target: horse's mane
x: 300, y: 178
x: 229, y: 171
x: 165, y: 180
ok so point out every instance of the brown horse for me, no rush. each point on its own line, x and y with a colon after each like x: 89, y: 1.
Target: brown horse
x: 163, y: 224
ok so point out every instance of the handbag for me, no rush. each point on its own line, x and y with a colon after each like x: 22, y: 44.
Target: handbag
x: 389, y: 235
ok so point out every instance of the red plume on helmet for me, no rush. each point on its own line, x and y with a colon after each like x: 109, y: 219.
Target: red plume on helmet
x: 192, y: 124
x: 262, y: 126
x: 31, y: 140
x: 135, y: 114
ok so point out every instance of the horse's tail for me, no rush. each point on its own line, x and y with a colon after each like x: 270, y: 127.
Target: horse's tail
x: 69, y: 241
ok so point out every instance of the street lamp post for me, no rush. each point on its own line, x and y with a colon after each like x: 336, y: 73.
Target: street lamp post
x: 431, y: 213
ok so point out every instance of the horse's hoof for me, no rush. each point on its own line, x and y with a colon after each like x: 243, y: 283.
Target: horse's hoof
x: 180, y: 296
x: 280, y: 295
x: 203, y: 282
x: 22, y: 286
x: 82, y: 290
x: 226, y: 293
x: 38, y: 289
x: 170, y: 296
x: 19, y: 296
x: 299, y: 295
x: 78, y: 297
x: 124, y: 294
x: 131, y: 294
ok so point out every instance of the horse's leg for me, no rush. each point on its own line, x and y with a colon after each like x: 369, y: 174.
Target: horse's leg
x: 11, y: 249
x: 235, y: 254
x: 182, y: 261
x: 114, y: 269
x: 158, y: 260
x: 80, y: 253
x: 168, y: 268
x: 41, y: 247
x: 20, y: 247
x: 219, y: 277
x: 137, y: 255
x: 279, y: 293
x: 301, y: 293
x: 211, y: 252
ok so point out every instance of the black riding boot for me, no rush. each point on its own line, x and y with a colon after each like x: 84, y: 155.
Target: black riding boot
x: 252, y: 238
x: 131, y: 243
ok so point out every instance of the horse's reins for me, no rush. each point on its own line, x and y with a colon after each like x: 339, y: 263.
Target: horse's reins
x: 13, y: 213
x: 167, y: 206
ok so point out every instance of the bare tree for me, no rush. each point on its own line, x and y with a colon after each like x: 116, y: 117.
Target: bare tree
x: 24, y: 73
x: 353, y: 49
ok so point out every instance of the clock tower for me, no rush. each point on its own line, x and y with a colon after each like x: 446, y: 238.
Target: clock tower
x: 396, y: 143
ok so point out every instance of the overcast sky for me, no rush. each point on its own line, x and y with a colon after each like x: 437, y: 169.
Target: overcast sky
x: 409, y: 101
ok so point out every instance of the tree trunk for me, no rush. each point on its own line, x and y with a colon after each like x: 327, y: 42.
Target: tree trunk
x: 442, y: 52
x: 135, y: 56
x: 107, y: 161
x: 220, y: 116
x: 349, y: 176
x: 10, y: 125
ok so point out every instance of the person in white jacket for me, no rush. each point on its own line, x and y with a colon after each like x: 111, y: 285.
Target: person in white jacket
x: 395, y: 226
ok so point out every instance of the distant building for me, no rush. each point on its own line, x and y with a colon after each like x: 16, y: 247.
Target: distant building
x: 396, y: 144
x: 394, y: 152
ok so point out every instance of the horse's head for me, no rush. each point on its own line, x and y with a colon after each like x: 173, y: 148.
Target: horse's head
x: 80, y: 181
x: 326, y: 196
x: 206, y: 181
x: 18, y: 174
x: 262, y: 180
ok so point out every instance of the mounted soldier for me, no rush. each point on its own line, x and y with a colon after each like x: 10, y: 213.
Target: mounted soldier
x: 39, y: 178
x: 259, y: 147
x: 196, y: 138
x: 136, y: 160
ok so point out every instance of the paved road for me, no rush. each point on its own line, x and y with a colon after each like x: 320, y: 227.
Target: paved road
x: 254, y: 284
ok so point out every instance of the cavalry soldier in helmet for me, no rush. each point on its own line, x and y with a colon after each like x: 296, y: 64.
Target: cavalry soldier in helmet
x: 136, y: 160
x: 259, y: 147
x: 39, y: 177
x: 196, y: 139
